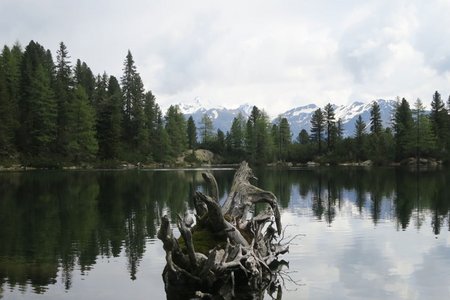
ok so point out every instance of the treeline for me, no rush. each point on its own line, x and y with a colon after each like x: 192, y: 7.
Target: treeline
x: 54, y: 113
x: 413, y: 133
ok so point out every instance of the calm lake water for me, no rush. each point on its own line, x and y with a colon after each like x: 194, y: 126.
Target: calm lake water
x: 365, y: 234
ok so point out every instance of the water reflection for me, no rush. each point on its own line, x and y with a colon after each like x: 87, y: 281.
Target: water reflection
x: 54, y: 223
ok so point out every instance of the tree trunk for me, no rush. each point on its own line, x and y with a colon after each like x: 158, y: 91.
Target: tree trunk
x: 237, y: 256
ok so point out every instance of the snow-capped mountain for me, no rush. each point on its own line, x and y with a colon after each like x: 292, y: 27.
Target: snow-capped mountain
x: 221, y: 117
x: 299, y: 118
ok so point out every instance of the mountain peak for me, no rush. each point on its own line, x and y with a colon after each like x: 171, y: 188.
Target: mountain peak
x: 299, y: 117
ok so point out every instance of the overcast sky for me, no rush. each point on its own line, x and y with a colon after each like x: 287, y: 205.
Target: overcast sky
x: 274, y: 54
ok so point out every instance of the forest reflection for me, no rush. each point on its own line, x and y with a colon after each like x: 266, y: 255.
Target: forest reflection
x: 56, y: 222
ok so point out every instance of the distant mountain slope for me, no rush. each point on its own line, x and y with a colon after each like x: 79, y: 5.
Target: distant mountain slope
x: 299, y: 118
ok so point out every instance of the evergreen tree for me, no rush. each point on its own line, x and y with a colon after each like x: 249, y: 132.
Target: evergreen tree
x: 41, y: 124
x: 84, y: 77
x: 176, y: 130
x: 191, y: 133
x: 303, y: 137
x: 330, y: 126
x: 425, y: 138
x: 439, y: 119
x: 220, y: 142
x: 37, y: 106
x: 403, y: 128
x: 360, y: 136
x: 281, y: 135
x: 134, y: 130
x: 83, y: 144
x: 151, y: 111
x: 264, y: 144
x: 237, y: 134
x: 161, y: 143
x: 64, y: 95
x: 317, y: 128
x: 206, y: 130
x: 9, y: 98
x: 109, y: 117
x: 376, y: 126
x: 250, y: 134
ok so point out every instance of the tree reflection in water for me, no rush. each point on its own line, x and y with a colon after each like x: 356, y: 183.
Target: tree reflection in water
x: 57, y: 222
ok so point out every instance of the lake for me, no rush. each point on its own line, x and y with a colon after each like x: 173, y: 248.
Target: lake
x: 380, y: 233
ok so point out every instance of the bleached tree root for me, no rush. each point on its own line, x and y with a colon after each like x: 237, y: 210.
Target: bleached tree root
x: 230, y: 252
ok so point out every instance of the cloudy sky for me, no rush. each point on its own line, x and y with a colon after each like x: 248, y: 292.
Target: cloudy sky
x: 275, y: 54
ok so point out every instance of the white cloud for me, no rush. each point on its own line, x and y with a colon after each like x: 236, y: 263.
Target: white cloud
x: 275, y: 55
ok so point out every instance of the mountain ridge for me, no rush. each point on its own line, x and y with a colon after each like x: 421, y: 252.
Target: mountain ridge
x: 298, y: 117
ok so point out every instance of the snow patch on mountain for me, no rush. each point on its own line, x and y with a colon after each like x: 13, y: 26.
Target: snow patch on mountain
x: 299, y: 118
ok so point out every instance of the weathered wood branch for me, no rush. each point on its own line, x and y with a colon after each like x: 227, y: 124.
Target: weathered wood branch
x: 242, y: 251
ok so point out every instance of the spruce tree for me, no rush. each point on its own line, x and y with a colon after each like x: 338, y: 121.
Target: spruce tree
x: 134, y: 130
x: 84, y: 77
x: 317, y: 128
x: 403, y: 128
x: 206, y: 130
x: 303, y: 137
x: 330, y: 127
x: 151, y: 110
x: 191, y: 133
x: 176, y: 130
x: 109, y: 116
x: 360, y: 135
x: 425, y: 139
x: 42, y: 122
x: 9, y: 98
x: 439, y: 121
x: 64, y: 95
x: 237, y: 134
x: 375, y: 119
x: 37, y: 105
x: 83, y: 143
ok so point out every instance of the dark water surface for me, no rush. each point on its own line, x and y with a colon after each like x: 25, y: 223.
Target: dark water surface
x: 366, y: 234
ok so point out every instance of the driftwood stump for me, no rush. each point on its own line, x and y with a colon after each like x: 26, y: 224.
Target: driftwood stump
x: 231, y: 252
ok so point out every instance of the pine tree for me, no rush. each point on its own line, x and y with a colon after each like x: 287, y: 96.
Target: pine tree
x: 176, y: 130
x: 237, y: 134
x: 161, y: 143
x: 84, y: 77
x: 191, y: 133
x: 41, y: 124
x: 151, y: 110
x: 206, y: 130
x: 134, y: 130
x: 403, y: 128
x: 9, y: 98
x: 37, y: 107
x: 303, y: 137
x: 360, y: 135
x: 376, y: 126
x: 108, y: 97
x: 83, y: 143
x: 330, y: 126
x: 64, y: 95
x: 317, y: 128
x: 281, y: 134
x: 439, y: 119
x: 425, y: 138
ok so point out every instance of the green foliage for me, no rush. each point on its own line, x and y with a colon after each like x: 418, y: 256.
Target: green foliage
x: 176, y: 131
x: 191, y: 133
x: 317, y: 128
x: 82, y: 144
x: 403, y: 129
x: 375, y: 119
x: 360, y: 139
